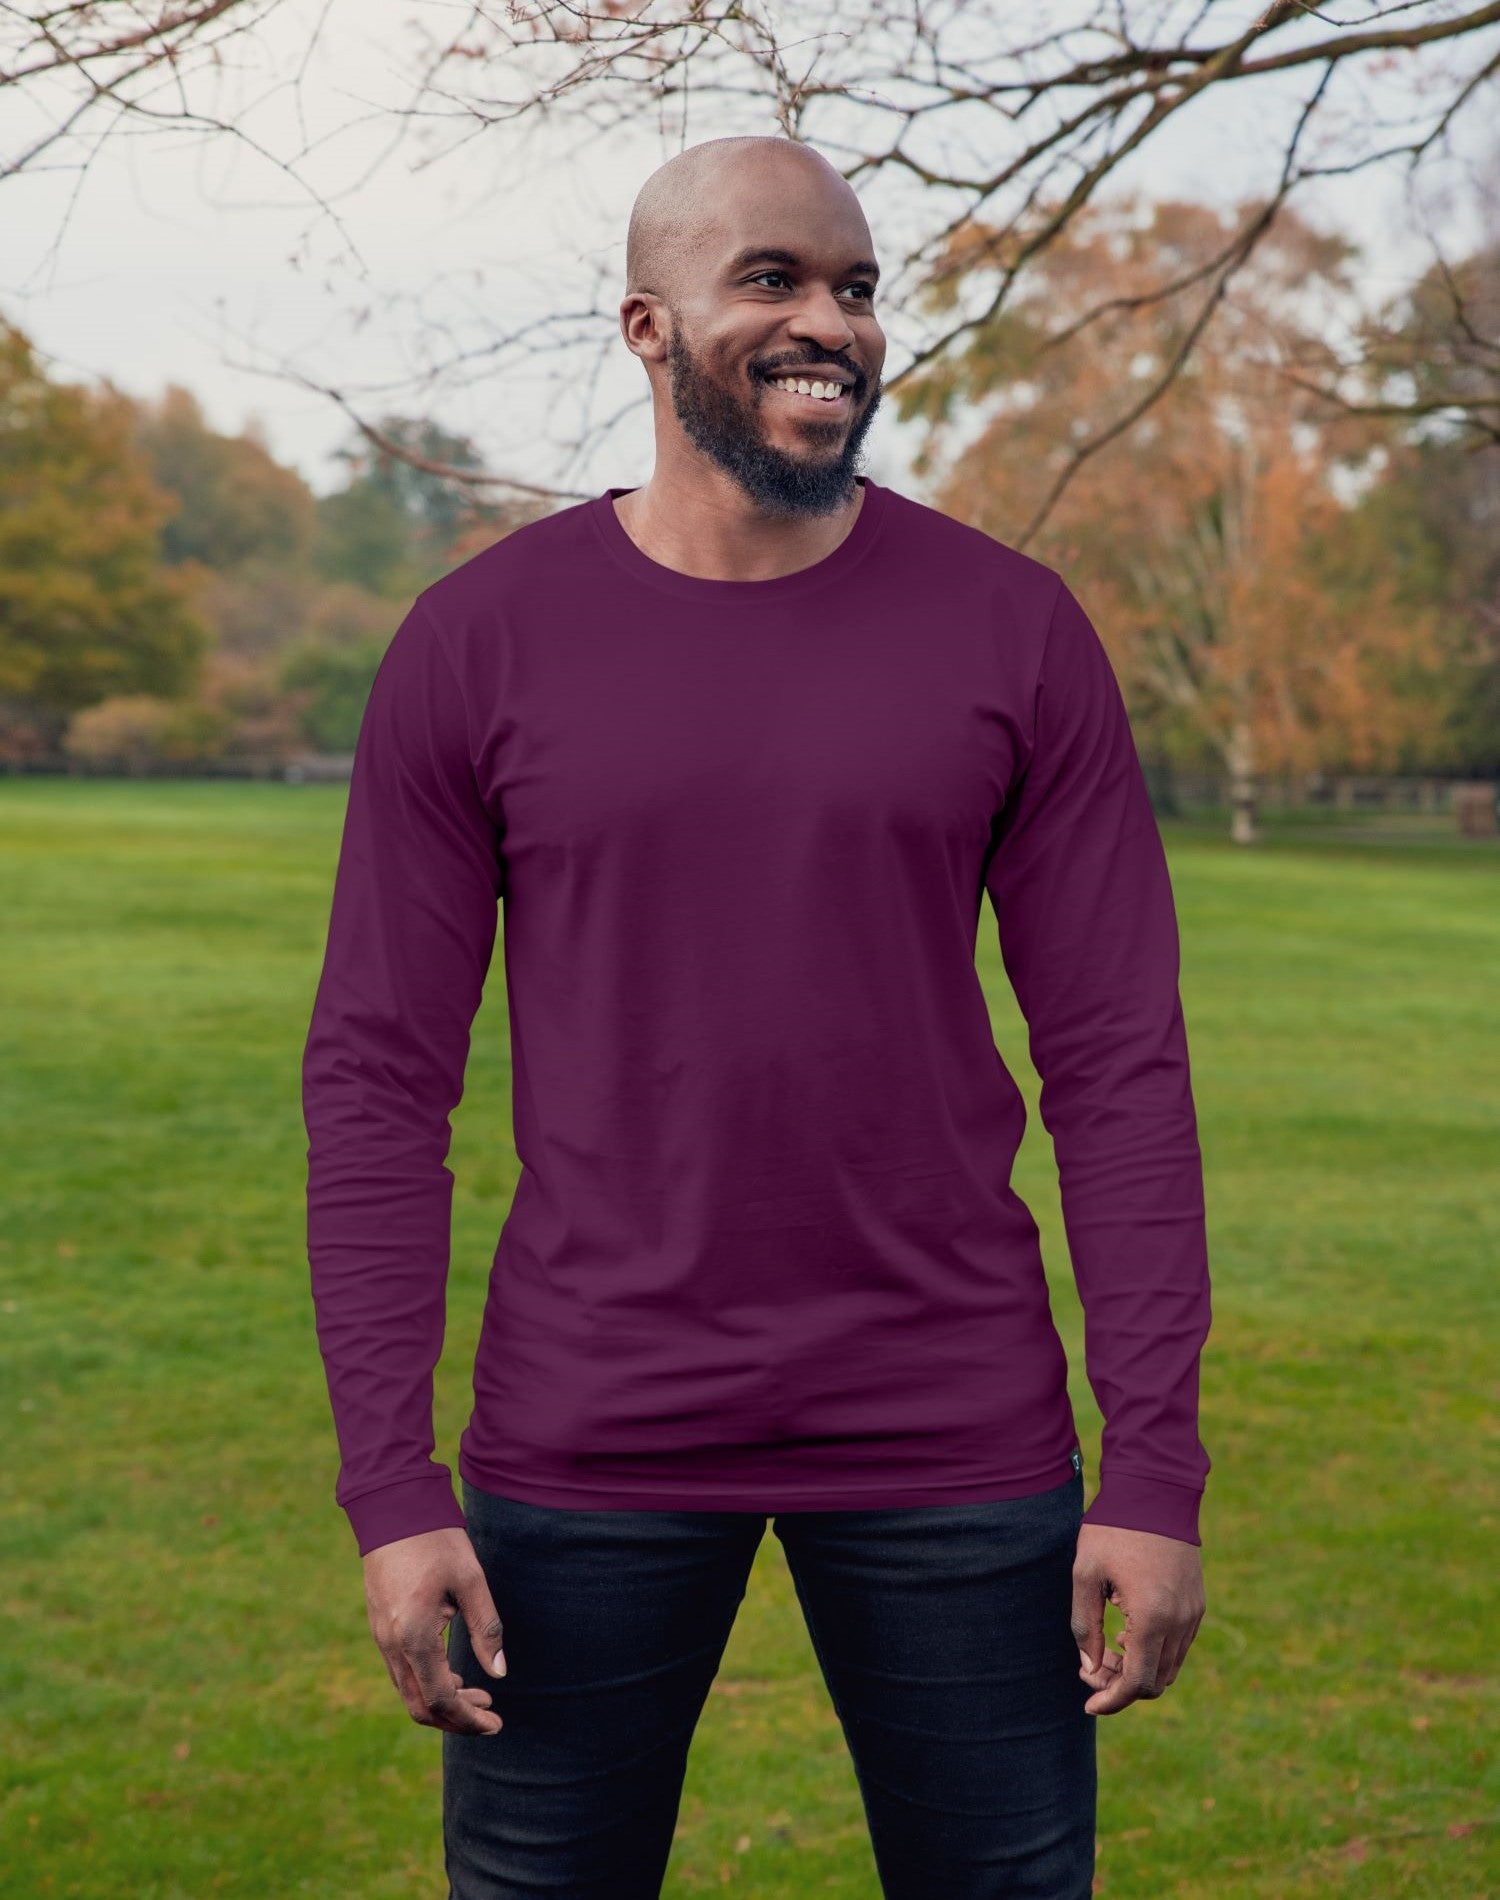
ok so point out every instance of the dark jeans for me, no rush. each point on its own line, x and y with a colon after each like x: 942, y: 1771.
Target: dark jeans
x: 943, y: 1634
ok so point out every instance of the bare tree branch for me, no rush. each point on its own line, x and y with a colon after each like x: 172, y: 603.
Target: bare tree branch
x: 1005, y: 131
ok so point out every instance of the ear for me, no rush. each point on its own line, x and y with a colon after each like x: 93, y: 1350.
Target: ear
x: 645, y: 325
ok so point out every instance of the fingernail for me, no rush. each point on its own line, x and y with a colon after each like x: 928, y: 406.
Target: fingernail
x: 1084, y: 1661
x: 499, y: 1662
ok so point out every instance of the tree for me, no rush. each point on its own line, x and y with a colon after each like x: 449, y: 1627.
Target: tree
x: 328, y: 688
x: 86, y: 610
x: 237, y: 506
x: 395, y: 524
x: 985, y: 108
x: 1209, y: 539
x: 1435, y: 516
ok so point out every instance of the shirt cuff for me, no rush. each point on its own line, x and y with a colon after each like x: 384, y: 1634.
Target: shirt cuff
x: 1147, y: 1504
x: 404, y: 1510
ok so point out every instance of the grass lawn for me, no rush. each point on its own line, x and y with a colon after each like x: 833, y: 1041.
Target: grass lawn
x: 192, y: 1703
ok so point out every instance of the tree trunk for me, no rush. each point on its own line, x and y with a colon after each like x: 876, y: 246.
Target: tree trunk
x: 1243, y: 828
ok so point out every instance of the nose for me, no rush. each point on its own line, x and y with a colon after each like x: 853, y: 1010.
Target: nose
x: 821, y: 319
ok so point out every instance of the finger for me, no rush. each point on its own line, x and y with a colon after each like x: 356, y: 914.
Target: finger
x: 1137, y: 1680
x: 486, y: 1631
x: 1174, y: 1654
x: 1111, y: 1664
x: 1174, y: 1651
x: 420, y: 1711
x: 449, y: 1704
x: 399, y: 1671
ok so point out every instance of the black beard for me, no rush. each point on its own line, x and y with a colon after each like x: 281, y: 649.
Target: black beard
x: 729, y: 432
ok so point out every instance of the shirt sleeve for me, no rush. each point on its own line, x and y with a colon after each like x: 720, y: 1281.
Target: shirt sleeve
x: 410, y: 935
x: 1088, y: 933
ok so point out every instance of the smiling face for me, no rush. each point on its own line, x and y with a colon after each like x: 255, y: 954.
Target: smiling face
x: 777, y: 282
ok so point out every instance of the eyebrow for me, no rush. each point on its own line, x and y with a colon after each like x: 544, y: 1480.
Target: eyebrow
x: 766, y: 254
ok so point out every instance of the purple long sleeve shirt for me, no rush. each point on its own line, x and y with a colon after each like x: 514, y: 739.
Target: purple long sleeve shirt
x: 764, y: 1252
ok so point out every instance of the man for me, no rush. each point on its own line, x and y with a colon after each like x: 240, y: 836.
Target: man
x: 741, y: 751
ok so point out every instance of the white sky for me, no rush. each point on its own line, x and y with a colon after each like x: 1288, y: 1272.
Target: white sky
x: 192, y: 258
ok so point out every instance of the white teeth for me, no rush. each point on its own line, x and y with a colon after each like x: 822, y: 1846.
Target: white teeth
x: 829, y: 392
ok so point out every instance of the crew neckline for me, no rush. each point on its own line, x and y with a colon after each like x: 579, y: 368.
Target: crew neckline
x: 833, y: 567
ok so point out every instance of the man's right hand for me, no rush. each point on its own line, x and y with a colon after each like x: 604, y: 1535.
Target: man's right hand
x: 413, y: 1589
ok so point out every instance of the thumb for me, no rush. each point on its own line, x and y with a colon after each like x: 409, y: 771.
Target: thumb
x: 486, y: 1631
x: 1088, y: 1621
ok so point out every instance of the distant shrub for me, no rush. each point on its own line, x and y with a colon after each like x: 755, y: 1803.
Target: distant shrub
x: 140, y: 733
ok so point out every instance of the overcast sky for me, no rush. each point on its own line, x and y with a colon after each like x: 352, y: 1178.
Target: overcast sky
x: 193, y: 258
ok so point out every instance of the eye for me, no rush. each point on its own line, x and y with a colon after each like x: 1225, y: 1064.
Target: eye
x: 860, y: 284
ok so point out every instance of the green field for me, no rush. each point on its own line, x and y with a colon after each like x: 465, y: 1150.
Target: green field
x: 191, y: 1701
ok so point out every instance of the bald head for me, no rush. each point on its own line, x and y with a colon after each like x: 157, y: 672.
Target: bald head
x: 677, y: 209
x: 749, y: 259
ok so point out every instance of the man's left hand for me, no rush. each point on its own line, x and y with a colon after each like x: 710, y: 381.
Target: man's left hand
x: 1158, y: 1584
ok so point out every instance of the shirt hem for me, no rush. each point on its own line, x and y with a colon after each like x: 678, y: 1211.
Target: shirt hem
x: 762, y: 1495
